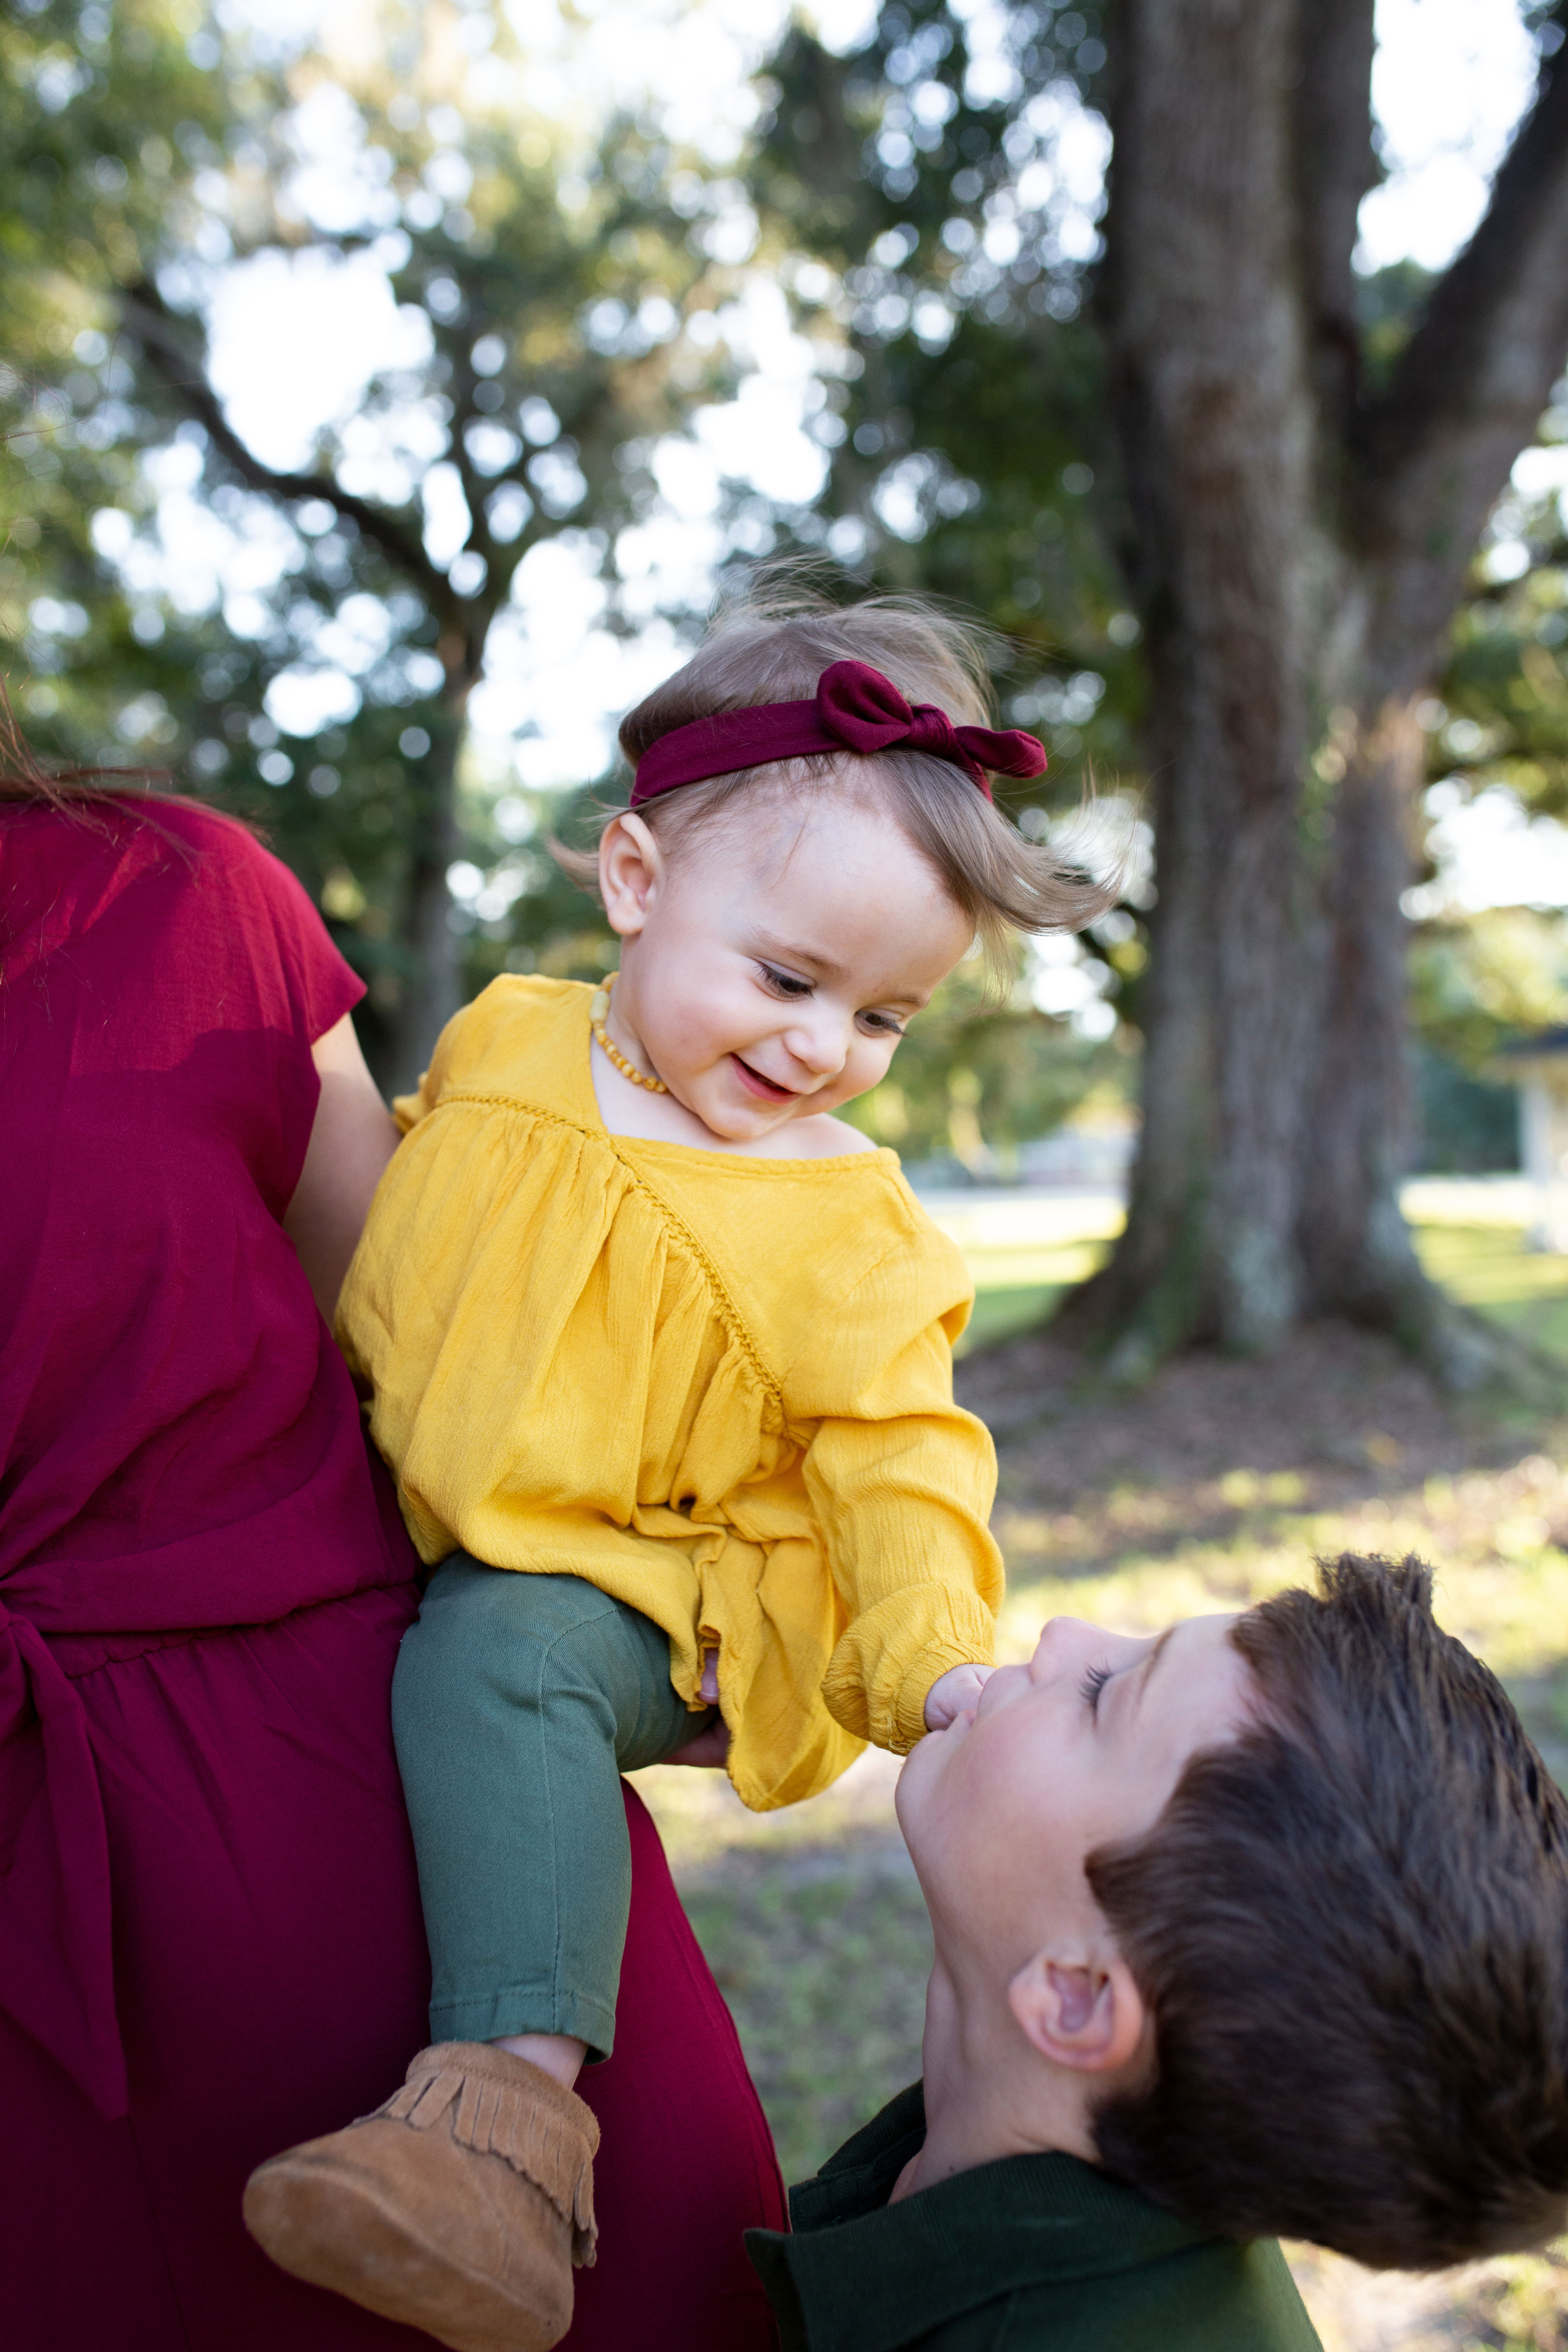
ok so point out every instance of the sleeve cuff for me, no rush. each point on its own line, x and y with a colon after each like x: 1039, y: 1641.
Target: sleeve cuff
x: 879, y: 1675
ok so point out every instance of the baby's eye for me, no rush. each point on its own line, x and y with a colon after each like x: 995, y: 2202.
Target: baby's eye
x: 783, y: 983
x: 883, y: 1024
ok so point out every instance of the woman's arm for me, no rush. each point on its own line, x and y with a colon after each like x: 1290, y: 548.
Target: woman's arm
x: 352, y: 1139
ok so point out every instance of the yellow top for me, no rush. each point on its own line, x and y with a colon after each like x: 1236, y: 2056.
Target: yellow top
x: 717, y: 1387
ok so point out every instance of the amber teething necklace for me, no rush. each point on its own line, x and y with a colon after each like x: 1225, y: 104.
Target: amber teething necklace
x: 598, y: 1012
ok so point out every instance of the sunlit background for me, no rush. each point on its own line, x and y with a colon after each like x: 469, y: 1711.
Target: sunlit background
x: 389, y: 390
x: 298, y: 337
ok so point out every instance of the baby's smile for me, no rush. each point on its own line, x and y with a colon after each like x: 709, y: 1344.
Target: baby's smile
x: 768, y: 1089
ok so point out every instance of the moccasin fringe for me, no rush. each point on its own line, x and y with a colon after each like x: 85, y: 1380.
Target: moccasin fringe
x: 510, y: 2120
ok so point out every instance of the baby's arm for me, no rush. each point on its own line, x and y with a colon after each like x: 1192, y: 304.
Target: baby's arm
x: 902, y: 1500
x: 902, y: 1484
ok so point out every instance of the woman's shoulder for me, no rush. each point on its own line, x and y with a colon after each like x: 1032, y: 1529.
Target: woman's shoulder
x: 203, y: 852
x: 131, y: 834
x: 236, y: 927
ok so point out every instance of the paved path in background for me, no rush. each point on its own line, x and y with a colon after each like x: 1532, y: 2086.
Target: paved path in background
x: 984, y: 1218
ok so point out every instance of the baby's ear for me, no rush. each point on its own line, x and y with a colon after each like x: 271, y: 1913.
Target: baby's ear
x: 1086, y: 2013
x: 631, y: 865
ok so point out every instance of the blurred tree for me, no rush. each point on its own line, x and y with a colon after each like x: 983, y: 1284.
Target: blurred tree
x: 1500, y: 713
x: 958, y: 415
x: 1477, y: 983
x: 1481, y: 981
x: 549, y: 334
x: 1497, y: 725
x: 1293, y: 470
x: 541, y: 310
x: 975, y: 1079
x: 102, y: 117
x: 1300, y: 525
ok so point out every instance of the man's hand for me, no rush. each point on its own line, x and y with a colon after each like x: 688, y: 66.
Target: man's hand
x: 950, y: 1693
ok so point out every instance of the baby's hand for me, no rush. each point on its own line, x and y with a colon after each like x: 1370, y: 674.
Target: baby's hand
x: 709, y: 1751
x: 950, y: 1693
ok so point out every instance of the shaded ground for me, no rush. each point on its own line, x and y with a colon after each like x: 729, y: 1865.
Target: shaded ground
x: 1219, y: 1483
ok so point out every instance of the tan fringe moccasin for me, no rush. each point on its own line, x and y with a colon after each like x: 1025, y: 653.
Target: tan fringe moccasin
x: 459, y: 2207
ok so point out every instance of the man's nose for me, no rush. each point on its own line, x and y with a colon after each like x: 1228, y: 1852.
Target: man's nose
x: 1061, y: 1641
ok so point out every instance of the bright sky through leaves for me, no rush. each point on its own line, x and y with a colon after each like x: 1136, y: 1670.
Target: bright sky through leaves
x: 296, y: 337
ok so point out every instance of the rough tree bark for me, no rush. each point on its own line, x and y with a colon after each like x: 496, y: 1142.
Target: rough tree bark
x: 1296, y: 543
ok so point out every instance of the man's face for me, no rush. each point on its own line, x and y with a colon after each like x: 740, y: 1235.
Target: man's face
x: 1082, y: 1747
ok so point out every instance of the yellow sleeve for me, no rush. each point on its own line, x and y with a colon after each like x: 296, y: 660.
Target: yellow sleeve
x: 901, y: 1482
x: 409, y: 1110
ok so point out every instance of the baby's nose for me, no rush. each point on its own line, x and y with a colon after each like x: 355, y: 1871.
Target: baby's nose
x: 819, y: 1045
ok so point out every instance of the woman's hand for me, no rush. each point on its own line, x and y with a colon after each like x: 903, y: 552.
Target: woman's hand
x: 353, y: 1138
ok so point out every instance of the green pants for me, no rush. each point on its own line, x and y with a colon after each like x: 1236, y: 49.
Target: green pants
x: 518, y: 1702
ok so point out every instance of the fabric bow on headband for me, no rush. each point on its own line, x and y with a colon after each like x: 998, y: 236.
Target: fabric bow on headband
x: 855, y: 708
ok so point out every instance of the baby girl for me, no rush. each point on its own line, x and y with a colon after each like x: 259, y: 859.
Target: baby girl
x: 660, y: 1351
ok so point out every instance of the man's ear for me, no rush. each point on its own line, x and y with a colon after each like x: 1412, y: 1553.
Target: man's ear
x: 631, y: 867
x: 1087, y: 2014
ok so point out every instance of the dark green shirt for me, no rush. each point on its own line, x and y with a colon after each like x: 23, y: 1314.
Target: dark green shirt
x: 1036, y: 2253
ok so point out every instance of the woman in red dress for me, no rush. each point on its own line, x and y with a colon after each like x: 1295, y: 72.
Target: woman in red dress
x: 210, y: 1941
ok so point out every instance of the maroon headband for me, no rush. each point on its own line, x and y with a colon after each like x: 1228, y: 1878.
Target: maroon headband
x: 855, y: 708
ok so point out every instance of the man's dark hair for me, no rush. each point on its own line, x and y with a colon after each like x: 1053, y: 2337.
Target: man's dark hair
x: 1350, y: 1926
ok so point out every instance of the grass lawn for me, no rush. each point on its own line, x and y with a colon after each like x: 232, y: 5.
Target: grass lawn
x: 1487, y: 1266
x: 1217, y: 1484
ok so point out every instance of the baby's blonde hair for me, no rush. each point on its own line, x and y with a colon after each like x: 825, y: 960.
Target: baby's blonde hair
x: 770, y: 641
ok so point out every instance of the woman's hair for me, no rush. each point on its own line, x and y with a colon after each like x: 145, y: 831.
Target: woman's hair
x: 770, y: 641
x: 24, y: 779
x: 1351, y: 1927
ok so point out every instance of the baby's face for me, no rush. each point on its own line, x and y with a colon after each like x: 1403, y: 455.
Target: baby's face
x: 771, y: 968
x: 1082, y: 1747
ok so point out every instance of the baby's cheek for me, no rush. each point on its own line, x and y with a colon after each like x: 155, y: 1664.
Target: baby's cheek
x: 865, y: 1068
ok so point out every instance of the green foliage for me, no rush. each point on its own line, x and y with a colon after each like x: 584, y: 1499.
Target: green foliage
x: 1480, y: 980
x: 1388, y: 305
x: 932, y: 252
x: 974, y: 1078
x: 1464, y: 1126
x: 928, y: 244
x: 962, y: 416
x: 965, y: 427
x: 104, y: 123
x: 103, y: 120
x: 554, y: 308
x: 1503, y: 716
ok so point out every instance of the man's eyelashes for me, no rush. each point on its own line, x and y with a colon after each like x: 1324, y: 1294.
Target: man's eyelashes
x: 1093, y: 1682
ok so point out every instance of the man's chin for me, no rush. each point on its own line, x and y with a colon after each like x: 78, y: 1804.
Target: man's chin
x: 922, y: 1770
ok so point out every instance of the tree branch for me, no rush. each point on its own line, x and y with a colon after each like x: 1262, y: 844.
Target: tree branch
x: 157, y: 331
x: 1335, y: 166
x: 1435, y: 451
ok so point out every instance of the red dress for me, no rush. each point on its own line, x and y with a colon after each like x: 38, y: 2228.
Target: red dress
x: 210, y: 1943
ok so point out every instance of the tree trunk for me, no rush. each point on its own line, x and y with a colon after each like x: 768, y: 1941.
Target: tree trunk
x: 1212, y: 408
x: 433, y: 989
x: 1295, y: 550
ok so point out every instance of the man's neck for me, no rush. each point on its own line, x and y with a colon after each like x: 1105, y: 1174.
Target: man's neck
x: 988, y: 2095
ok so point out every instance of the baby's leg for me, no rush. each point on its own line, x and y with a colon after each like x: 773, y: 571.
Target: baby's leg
x: 518, y: 1702
x: 462, y: 2204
